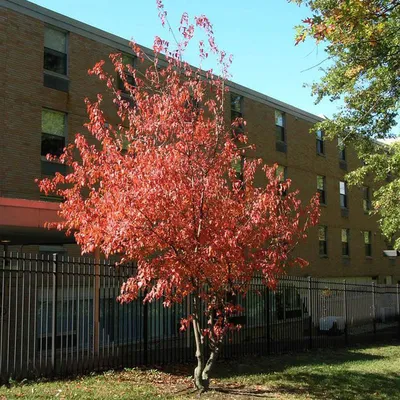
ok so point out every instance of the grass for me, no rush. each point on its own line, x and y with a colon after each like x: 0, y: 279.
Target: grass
x: 363, y: 373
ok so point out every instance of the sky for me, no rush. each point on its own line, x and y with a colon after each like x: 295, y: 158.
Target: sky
x: 258, y: 33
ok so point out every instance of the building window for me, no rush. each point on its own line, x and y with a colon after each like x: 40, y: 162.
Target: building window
x: 343, y: 194
x: 367, y: 243
x: 126, y: 60
x: 238, y: 166
x: 345, y: 242
x: 55, y: 50
x: 321, y: 189
x: 280, y: 126
x: 53, y: 132
x: 237, y: 111
x: 281, y: 173
x: 320, y: 142
x: 366, y: 199
x: 342, y: 150
x: 322, y: 234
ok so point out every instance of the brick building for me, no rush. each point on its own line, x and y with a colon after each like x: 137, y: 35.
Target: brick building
x: 44, y: 60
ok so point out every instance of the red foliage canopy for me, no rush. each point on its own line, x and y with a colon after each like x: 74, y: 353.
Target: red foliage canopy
x: 160, y: 187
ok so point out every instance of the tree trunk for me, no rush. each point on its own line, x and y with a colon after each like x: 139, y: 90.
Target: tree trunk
x: 202, y: 370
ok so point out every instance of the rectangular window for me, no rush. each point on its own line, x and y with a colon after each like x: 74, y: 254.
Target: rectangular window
x: 321, y: 188
x: 367, y: 243
x: 126, y: 60
x: 53, y: 132
x: 366, y: 199
x: 55, y: 50
x: 320, y: 142
x: 236, y: 111
x: 238, y: 166
x: 322, y: 234
x: 342, y: 150
x: 281, y: 172
x: 345, y: 242
x: 280, y: 126
x: 343, y: 194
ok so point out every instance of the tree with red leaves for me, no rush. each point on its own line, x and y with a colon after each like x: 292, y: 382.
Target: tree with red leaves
x: 161, y: 188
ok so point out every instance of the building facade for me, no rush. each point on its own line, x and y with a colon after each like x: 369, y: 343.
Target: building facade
x: 44, y: 60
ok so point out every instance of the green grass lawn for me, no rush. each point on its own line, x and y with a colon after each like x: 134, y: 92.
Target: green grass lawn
x: 364, y: 373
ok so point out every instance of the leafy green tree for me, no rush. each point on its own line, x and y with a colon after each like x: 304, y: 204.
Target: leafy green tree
x: 362, y: 40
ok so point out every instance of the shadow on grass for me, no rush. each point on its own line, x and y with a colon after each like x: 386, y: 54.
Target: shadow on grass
x: 342, y: 385
x: 280, y: 363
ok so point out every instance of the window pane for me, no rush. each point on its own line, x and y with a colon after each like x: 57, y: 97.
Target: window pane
x: 279, y: 119
x: 55, y: 61
x: 55, y: 39
x: 322, y: 233
x: 51, y: 144
x: 53, y: 122
x: 127, y: 59
x: 342, y: 188
x: 320, y: 182
x: 236, y: 103
x: 280, y: 133
x: 319, y: 134
x: 280, y: 172
x: 367, y: 237
x: 344, y: 236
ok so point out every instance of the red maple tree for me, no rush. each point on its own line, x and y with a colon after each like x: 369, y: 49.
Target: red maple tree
x: 162, y: 188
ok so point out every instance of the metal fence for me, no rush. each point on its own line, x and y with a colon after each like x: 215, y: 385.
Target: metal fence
x: 59, y: 316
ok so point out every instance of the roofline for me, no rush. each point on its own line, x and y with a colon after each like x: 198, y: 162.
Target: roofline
x: 72, y: 25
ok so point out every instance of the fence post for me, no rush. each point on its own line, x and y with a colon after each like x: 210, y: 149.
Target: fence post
x: 54, y: 315
x: 346, y: 337
x: 374, y: 307
x: 145, y: 330
x: 268, y: 324
x: 310, y: 312
x: 398, y: 306
x: 96, y: 304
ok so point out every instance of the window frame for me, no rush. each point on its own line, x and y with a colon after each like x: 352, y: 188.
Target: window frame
x: 65, y: 136
x: 342, y: 151
x: 234, y: 113
x: 367, y: 243
x: 320, y: 142
x: 281, y: 128
x: 66, y: 33
x: 323, y: 244
x: 346, y: 243
x: 322, y: 192
x: 366, y: 199
x: 343, y: 196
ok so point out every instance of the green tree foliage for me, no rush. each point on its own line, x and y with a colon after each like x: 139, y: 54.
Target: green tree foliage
x: 362, y: 40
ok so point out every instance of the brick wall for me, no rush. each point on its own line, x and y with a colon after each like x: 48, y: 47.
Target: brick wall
x: 23, y: 96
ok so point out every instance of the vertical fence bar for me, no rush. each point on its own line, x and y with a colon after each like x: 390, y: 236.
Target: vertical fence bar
x: 2, y: 313
x: 346, y: 337
x: 310, y: 340
x: 398, y: 306
x: 145, y: 330
x: 54, y: 315
x: 373, y: 289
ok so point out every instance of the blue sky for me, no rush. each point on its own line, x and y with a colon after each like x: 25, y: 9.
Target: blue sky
x: 259, y: 34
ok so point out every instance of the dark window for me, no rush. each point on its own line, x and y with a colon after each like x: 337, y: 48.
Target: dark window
x: 345, y: 242
x: 343, y: 194
x: 320, y: 142
x: 366, y: 199
x: 342, y: 150
x: 367, y: 243
x: 126, y: 60
x: 322, y: 234
x: 281, y: 173
x: 55, y: 50
x: 238, y: 165
x: 53, y: 132
x: 237, y: 112
x: 280, y: 126
x: 321, y: 188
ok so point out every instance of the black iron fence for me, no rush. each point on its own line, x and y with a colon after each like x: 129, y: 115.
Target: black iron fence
x: 60, y: 316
